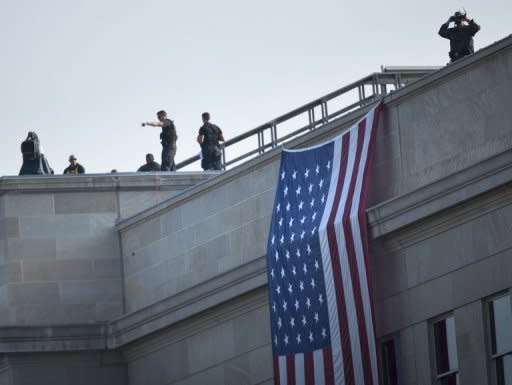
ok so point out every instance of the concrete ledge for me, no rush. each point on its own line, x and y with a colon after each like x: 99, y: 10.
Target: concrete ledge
x: 447, y: 192
x: 225, y: 312
x: 104, y: 182
x: 188, y: 303
x: 52, y: 338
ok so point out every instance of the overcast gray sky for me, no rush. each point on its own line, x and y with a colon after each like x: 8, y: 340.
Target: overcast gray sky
x: 85, y: 74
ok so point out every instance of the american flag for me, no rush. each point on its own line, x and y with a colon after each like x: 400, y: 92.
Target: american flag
x: 317, y: 258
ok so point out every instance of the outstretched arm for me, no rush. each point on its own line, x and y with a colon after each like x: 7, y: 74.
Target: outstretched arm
x: 153, y: 124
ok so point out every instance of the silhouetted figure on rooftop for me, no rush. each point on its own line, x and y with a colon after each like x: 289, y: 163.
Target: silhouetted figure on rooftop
x: 209, y: 137
x: 460, y: 36
x: 150, y: 165
x: 34, y: 162
x: 168, y: 139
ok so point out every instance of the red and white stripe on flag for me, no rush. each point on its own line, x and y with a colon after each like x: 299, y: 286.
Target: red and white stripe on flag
x: 351, y: 357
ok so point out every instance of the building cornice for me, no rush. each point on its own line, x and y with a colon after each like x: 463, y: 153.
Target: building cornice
x: 455, y: 189
x: 53, y: 338
x: 241, y: 305
x: 222, y: 288
x: 103, y: 182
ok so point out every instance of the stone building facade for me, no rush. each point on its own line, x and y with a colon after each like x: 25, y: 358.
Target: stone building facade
x: 150, y: 279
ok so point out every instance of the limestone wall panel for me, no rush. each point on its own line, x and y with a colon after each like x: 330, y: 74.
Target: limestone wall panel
x: 35, y: 248
x: 60, y: 258
x: 215, y: 231
x: 55, y: 313
x: 455, y: 124
x: 133, y: 202
x: 26, y: 204
x: 106, y: 268
x: 3, y: 251
x: 79, y: 368
x: 10, y: 227
x: 85, y: 202
x: 37, y: 227
x: 89, y: 292
x: 479, y: 238
x: 52, y: 270
x: 33, y: 293
x: 451, y: 290
x: 96, y: 247
x: 157, y: 369
x: 145, y: 234
x: 388, y: 273
x: 213, y: 348
x: 386, y: 176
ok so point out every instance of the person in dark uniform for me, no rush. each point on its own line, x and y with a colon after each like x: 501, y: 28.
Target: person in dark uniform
x: 209, y: 137
x: 460, y: 36
x: 168, y: 139
x: 74, y: 167
x: 150, y: 165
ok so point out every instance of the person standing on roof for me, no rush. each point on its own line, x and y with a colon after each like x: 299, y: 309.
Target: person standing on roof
x: 74, y: 167
x: 460, y: 36
x: 209, y: 137
x: 168, y: 139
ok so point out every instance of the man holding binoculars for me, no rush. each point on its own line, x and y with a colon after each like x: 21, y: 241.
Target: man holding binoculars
x: 460, y: 36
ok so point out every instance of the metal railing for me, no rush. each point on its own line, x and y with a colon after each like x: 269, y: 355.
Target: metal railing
x: 317, y: 113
